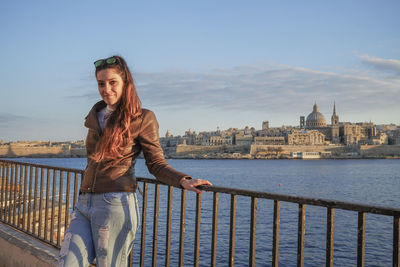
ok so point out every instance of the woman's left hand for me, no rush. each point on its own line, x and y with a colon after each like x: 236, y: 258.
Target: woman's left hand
x: 190, y: 184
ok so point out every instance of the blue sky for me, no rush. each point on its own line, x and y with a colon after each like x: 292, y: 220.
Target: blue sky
x: 199, y: 65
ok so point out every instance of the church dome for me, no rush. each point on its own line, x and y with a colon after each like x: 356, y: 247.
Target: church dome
x: 315, y: 118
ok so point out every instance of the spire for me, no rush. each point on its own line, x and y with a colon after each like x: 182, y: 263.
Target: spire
x: 335, y: 117
x: 334, y: 108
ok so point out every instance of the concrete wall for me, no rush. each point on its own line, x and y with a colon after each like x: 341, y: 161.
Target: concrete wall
x: 19, y: 249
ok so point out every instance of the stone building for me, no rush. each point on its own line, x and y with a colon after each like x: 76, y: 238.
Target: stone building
x: 309, y: 137
x: 269, y: 140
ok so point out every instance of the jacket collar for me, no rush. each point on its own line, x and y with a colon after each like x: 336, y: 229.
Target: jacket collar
x: 91, y: 120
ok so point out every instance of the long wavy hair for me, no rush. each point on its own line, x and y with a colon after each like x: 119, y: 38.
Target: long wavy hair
x: 117, y: 134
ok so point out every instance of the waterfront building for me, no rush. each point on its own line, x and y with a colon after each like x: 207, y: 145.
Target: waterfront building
x: 309, y: 137
x: 269, y: 140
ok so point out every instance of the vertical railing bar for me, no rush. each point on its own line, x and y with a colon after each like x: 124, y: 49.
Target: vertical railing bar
x: 60, y: 204
x: 29, y: 224
x: 396, y: 241
x: 46, y: 212
x: 24, y: 226
x: 253, y: 223
x: 67, y: 201
x: 3, y: 181
x: 155, y: 223
x: 75, y: 190
x: 197, y: 231
x: 35, y: 200
x: 15, y: 193
x: 361, y: 240
x: 10, y: 199
x: 330, y: 229
x: 6, y: 195
x: 41, y: 202
x: 182, y: 228
x: 130, y: 258
x: 168, y: 230
x: 232, y: 232
x: 301, y: 234
x: 214, y: 230
x: 20, y: 199
x: 4, y: 190
x: 53, y: 203
x: 143, y: 231
x: 275, y: 240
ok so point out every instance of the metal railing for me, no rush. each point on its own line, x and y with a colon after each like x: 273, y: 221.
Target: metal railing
x: 37, y: 200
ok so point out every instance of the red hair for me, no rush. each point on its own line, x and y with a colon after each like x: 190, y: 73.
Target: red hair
x: 117, y: 134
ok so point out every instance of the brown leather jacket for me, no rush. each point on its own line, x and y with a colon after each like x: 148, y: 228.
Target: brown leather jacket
x: 121, y: 178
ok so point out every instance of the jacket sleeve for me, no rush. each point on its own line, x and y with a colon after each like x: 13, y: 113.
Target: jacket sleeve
x: 153, y: 153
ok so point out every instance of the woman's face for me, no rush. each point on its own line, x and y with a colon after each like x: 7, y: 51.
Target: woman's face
x: 110, y: 86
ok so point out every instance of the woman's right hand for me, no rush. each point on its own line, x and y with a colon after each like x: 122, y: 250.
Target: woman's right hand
x: 190, y: 184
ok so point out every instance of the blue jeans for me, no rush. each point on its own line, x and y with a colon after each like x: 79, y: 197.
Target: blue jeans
x: 103, y: 226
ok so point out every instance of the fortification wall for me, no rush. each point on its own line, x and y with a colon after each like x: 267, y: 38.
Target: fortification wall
x: 40, y: 151
x: 254, y: 149
x: 380, y: 151
x: 187, y: 149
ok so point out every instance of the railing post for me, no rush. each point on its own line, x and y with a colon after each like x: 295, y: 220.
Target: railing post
x: 29, y: 224
x: 41, y: 202
x: 182, y: 230
x: 232, y: 232
x: 214, y: 230
x: 361, y: 239
x: 20, y: 199
x: 3, y: 181
x: 396, y: 241
x: 155, y: 223
x: 53, y: 204
x: 168, y: 230
x: 253, y: 223
x: 197, y: 231
x: 46, y: 212
x: 59, y: 213
x: 275, y: 242
x: 330, y: 228
x: 300, y: 235
x: 143, y: 232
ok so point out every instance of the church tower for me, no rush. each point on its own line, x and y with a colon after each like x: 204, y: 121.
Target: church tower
x: 335, y: 117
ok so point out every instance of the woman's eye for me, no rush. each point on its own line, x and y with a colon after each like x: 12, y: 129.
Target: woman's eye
x: 101, y: 84
x: 113, y: 82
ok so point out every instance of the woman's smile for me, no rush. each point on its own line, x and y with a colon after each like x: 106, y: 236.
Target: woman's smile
x: 110, y: 86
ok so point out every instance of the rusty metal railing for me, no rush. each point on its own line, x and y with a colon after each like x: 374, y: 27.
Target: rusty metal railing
x: 37, y: 200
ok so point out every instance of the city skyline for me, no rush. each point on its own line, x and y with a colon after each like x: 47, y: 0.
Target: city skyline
x: 199, y: 65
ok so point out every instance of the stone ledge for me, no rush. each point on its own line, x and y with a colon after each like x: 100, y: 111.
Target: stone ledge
x: 20, y: 249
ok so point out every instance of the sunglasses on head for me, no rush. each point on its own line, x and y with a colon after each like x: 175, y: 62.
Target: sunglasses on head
x: 104, y: 61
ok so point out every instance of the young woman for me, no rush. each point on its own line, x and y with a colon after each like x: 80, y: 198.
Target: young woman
x: 105, y: 218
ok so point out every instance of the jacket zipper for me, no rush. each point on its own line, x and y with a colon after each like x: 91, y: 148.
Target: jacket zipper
x: 95, y: 177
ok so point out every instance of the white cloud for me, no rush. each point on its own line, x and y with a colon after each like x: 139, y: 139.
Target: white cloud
x: 391, y: 65
x: 272, y: 88
x: 277, y: 91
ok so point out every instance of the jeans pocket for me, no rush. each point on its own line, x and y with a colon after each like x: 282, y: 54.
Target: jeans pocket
x: 116, y: 198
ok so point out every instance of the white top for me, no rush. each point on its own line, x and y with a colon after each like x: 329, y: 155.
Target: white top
x: 103, y: 115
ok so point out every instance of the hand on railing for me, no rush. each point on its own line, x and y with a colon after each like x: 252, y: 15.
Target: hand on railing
x: 190, y: 184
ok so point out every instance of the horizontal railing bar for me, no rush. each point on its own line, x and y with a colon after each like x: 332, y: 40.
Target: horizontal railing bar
x: 296, y: 199
x: 42, y: 166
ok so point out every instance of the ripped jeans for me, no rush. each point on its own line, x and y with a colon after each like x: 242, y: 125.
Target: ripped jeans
x: 103, y: 226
